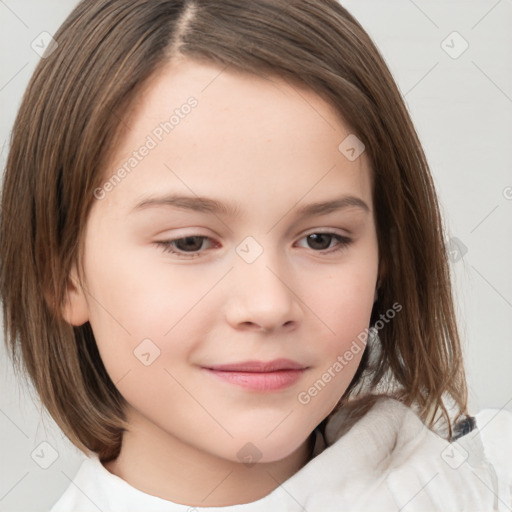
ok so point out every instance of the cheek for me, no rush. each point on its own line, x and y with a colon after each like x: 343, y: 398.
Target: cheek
x: 345, y: 301
x: 138, y: 309
x: 140, y: 291
x: 343, y: 309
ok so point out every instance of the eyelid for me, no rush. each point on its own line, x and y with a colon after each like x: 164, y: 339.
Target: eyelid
x: 333, y: 231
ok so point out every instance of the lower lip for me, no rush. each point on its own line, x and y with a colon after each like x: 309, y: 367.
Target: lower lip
x: 260, y: 381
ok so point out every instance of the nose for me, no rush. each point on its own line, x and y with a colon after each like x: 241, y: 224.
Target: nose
x: 262, y: 297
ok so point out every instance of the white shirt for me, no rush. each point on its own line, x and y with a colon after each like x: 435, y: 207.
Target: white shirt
x: 388, y: 461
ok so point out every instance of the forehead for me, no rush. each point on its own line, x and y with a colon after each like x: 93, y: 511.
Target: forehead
x: 213, y: 131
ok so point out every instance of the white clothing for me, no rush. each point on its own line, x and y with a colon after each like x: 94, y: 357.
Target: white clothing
x: 388, y: 461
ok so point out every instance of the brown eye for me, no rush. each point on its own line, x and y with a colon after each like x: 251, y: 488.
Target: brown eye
x: 186, y: 246
x: 322, y: 242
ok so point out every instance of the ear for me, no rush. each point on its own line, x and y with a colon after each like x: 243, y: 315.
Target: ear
x: 75, y: 309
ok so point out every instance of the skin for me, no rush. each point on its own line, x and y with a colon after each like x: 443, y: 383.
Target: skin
x: 272, y: 148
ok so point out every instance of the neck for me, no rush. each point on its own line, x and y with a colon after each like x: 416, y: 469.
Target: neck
x: 162, y: 465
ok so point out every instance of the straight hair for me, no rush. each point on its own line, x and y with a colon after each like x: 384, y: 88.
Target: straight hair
x: 73, y: 115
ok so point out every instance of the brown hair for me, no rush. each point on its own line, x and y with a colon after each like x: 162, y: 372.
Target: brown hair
x: 66, y: 130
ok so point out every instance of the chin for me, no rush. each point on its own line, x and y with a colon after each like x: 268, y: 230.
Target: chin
x: 261, y: 450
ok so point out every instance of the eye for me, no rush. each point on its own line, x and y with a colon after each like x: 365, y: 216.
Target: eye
x: 322, y: 241
x: 190, y: 246
x: 186, y: 245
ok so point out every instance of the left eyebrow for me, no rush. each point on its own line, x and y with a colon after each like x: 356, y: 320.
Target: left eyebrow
x: 214, y: 206
x: 325, y: 207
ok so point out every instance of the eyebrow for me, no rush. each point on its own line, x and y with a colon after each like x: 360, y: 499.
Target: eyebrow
x: 214, y: 206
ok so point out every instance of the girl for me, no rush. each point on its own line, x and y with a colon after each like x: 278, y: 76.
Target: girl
x: 258, y: 369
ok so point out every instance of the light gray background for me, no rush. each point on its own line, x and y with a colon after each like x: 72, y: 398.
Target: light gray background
x: 462, y: 110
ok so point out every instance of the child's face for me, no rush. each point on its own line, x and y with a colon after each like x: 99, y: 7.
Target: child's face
x: 256, y: 289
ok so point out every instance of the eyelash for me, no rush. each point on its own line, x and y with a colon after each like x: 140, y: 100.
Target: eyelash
x: 166, y: 245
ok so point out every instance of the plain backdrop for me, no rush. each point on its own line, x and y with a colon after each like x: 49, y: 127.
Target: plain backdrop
x: 452, y: 61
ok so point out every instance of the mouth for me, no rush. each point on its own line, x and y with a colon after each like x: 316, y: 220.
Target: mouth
x: 260, y: 376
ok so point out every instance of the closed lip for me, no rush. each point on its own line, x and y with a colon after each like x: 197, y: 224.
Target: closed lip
x: 259, y: 366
